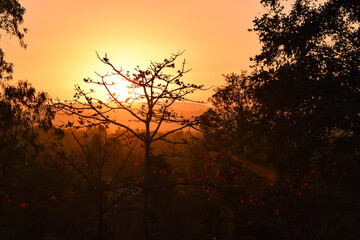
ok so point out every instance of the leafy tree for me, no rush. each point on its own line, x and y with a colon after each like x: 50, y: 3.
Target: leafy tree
x: 21, y: 107
x: 11, y: 17
x: 152, y: 92
x: 304, y: 87
x: 23, y: 111
x: 298, y: 111
x: 306, y: 79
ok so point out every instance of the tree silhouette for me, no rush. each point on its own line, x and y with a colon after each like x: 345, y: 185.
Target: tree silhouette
x: 21, y: 107
x: 152, y: 92
x: 304, y: 87
x: 298, y: 110
x: 23, y: 112
x: 11, y: 15
x: 306, y: 81
x: 97, y: 167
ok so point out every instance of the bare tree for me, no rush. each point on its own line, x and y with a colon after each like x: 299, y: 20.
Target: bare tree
x: 152, y: 93
x: 97, y: 168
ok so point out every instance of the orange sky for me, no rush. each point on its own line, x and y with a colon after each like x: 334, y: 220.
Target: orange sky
x: 64, y: 35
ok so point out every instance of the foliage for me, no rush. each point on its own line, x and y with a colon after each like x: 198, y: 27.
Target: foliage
x: 11, y: 17
x: 23, y: 112
x: 302, y: 94
x: 306, y: 79
x: 297, y: 112
x: 22, y: 109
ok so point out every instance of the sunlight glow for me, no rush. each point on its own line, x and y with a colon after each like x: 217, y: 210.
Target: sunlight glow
x: 120, y: 89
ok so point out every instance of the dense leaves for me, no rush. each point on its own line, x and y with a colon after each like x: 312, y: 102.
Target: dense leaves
x: 297, y: 113
x: 23, y: 112
x: 308, y: 70
x: 304, y: 88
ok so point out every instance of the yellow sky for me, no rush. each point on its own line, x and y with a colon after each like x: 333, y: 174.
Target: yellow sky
x: 64, y: 35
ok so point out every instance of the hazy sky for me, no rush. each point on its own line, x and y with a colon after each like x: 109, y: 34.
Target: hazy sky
x: 64, y: 35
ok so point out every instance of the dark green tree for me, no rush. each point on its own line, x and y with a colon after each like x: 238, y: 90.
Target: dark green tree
x: 23, y: 112
x: 298, y: 112
x: 22, y: 109
x: 303, y: 92
x: 306, y: 79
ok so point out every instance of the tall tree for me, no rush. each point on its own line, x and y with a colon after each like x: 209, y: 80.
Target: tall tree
x: 23, y: 110
x: 304, y: 88
x: 152, y: 93
x: 307, y: 77
x: 298, y: 110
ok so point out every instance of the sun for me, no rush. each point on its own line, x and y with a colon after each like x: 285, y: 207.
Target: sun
x: 117, y: 89
x: 120, y: 89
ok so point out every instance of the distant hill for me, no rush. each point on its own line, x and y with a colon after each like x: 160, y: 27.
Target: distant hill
x: 187, y: 109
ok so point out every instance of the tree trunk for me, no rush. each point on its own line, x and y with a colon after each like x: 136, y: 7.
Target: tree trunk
x: 100, y: 232
x: 145, y: 195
